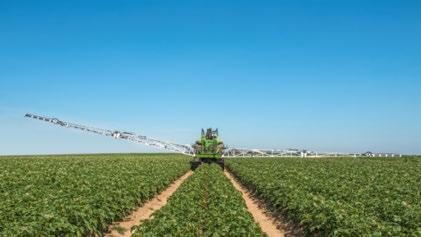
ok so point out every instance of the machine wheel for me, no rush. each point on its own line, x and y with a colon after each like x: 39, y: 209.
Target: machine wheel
x: 221, y: 163
x: 195, y: 163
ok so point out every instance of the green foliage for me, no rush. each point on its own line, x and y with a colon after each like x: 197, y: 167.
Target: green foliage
x: 79, y: 195
x: 206, y: 204
x: 339, y: 197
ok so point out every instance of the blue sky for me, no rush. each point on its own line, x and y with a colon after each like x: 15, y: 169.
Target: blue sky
x: 323, y: 75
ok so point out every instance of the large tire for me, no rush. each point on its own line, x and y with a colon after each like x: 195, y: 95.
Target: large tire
x: 221, y: 163
x: 195, y: 163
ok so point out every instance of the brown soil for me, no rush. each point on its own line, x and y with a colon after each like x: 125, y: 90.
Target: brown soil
x: 267, y: 223
x: 122, y: 229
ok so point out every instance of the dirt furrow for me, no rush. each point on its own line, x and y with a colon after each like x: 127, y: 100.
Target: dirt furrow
x: 267, y: 223
x: 122, y: 229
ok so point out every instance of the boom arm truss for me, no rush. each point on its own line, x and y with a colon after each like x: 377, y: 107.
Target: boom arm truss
x: 189, y: 150
x: 128, y: 136
x: 244, y: 152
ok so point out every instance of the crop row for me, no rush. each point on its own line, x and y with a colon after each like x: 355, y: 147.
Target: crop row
x: 339, y: 197
x: 206, y: 204
x: 78, y: 195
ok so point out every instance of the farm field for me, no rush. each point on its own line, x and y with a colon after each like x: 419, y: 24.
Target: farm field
x: 339, y: 196
x: 82, y: 195
x: 79, y: 195
x: 205, y: 205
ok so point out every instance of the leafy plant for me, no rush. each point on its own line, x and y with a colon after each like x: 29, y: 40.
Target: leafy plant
x: 79, y: 195
x: 206, y: 204
x: 339, y: 196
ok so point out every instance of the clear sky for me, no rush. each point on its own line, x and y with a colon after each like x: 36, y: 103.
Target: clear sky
x: 322, y: 75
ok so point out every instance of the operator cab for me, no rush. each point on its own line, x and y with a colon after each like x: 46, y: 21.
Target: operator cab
x: 210, y: 134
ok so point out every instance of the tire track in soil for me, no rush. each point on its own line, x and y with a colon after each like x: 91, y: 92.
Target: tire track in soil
x: 267, y: 223
x: 122, y: 229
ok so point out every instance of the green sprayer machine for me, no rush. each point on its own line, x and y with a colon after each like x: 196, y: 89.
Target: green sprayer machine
x: 208, y: 149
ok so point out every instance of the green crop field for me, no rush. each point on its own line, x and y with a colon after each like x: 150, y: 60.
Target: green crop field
x: 78, y: 195
x: 82, y: 195
x: 339, y: 197
x: 205, y: 205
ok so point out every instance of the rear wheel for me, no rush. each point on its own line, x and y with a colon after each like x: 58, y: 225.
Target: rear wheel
x: 195, y: 163
x: 221, y: 162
